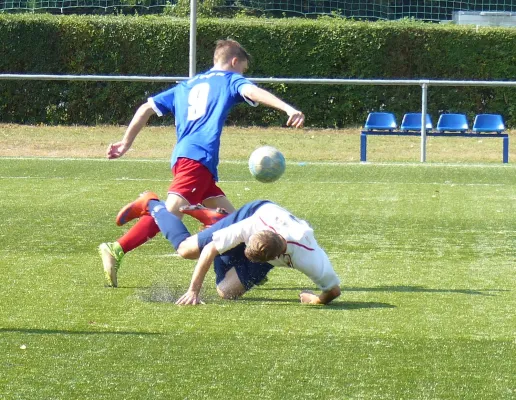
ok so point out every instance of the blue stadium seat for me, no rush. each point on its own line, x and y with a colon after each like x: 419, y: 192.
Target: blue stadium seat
x: 452, y: 123
x: 412, y: 122
x: 488, y: 123
x: 381, y: 121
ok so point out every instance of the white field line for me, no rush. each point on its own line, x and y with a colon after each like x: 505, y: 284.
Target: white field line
x: 451, y: 184
x: 299, y: 163
x: 243, y: 162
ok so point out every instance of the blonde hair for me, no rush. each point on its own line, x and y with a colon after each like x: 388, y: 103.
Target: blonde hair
x: 264, y: 246
x: 226, y: 50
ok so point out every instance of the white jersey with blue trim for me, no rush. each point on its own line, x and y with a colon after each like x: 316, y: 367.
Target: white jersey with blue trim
x: 303, y: 252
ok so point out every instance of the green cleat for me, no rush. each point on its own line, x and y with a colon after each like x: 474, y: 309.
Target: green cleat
x: 111, y: 254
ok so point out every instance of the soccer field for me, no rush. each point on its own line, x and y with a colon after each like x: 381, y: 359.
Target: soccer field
x: 426, y: 255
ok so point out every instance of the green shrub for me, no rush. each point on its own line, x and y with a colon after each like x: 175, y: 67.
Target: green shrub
x: 295, y: 48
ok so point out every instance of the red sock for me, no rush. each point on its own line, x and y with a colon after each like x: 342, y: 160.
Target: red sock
x: 142, y: 231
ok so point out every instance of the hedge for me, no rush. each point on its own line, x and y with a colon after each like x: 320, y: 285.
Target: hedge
x: 322, y: 48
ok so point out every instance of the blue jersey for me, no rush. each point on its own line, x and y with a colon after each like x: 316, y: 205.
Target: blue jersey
x: 201, y: 106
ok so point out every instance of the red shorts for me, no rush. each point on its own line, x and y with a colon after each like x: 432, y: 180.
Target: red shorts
x: 193, y: 181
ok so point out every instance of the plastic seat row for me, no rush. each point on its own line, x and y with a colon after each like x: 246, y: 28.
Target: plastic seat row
x: 385, y: 121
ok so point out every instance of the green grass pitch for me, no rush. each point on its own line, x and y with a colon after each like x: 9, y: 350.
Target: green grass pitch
x: 426, y: 254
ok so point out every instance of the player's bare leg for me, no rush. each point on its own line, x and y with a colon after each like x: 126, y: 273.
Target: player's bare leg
x: 219, y: 202
x: 189, y: 248
x: 174, y: 203
x: 231, y: 287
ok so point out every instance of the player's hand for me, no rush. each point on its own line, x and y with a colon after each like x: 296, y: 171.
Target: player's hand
x: 308, y: 297
x: 189, y: 298
x: 295, y: 118
x: 116, y: 150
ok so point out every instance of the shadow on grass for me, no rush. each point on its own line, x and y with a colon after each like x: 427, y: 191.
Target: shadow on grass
x: 422, y: 289
x: 163, y: 294
x: 336, y: 305
x: 401, y: 289
x: 248, y: 298
x: 68, y: 332
x: 355, y: 305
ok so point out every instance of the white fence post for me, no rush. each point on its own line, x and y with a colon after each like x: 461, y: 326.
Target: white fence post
x: 424, y: 109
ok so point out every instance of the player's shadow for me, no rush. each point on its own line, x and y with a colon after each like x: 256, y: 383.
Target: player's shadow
x: 423, y: 289
x: 401, y: 289
x: 334, y: 305
x: 36, y: 331
x: 356, y: 305
x: 248, y: 298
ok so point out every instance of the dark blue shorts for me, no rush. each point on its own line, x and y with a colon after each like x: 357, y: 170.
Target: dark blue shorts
x: 248, y: 272
x: 206, y: 236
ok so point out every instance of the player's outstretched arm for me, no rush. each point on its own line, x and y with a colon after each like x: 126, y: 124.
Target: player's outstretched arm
x: 324, y: 298
x: 191, y: 297
x: 140, y: 119
x: 295, y: 117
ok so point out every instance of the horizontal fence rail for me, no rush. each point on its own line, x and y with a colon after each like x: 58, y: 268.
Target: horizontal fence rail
x: 307, y: 81
x: 424, y: 83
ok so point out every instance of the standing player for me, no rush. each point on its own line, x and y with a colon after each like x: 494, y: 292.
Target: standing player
x: 243, y: 246
x: 200, y: 106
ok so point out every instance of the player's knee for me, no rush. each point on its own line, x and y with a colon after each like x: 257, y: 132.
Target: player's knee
x: 174, y: 210
x: 228, y: 294
x: 231, y: 287
x: 188, y: 251
x: 174, y: 203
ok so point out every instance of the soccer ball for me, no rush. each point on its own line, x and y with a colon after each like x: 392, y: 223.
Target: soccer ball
x: 267, y: 164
